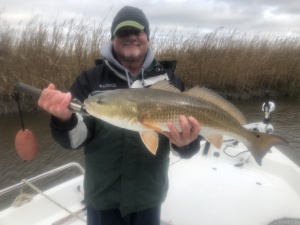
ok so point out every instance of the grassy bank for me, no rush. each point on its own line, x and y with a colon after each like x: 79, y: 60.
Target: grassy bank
x: 226, y: 61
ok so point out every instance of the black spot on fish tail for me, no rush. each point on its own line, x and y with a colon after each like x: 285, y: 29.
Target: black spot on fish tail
x: 262, y: 145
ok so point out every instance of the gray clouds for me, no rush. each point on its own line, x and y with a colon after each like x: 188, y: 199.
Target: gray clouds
x: 267, y: 16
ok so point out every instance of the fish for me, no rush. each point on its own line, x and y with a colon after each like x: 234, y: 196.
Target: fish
x: 148, y: 110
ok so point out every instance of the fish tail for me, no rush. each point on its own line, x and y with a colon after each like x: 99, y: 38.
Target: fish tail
x: 262, y: 144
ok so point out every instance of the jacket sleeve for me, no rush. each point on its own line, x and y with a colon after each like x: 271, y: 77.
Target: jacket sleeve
x: 73, y: 134
x: 60, y: 131
x: 186, y: 152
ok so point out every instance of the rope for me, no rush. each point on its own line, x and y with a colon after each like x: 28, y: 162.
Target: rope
x: 53, y: 201
x: 22, y: 199
x: 17, y: 99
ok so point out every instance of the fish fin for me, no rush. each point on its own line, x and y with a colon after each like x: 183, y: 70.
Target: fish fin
x: 215, y: 99
x: 164, y: 85
x: 215, y: 140
x: 150, y: 139
x: 152, y: 126
x: 262, y: 144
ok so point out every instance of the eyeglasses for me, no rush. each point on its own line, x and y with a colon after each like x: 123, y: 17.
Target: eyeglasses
x: 127, y: 32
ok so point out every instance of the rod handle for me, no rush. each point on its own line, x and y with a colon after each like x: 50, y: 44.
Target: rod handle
x: 34, y: 92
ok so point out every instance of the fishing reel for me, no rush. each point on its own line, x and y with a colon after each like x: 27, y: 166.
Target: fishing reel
x: 77, y: 107
x: 265, y: 126
x: 267, y: 108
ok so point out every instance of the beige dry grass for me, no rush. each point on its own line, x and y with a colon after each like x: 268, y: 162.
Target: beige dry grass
x: 225, y: 61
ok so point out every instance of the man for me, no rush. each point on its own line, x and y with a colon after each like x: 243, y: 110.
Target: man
x: 124, y: 183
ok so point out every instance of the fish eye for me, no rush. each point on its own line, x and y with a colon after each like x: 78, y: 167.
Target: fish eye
x: 258, y: 136
x: 99, y: 102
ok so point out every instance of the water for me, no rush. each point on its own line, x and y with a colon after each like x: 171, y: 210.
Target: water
x: 50, y: 154
x: 285, y: 119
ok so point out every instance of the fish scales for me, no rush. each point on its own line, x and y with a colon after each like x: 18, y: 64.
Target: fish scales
x: 163, y: 107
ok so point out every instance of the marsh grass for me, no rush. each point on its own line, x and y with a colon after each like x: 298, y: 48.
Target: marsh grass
x: 231, y: 63
x: 236, y: 64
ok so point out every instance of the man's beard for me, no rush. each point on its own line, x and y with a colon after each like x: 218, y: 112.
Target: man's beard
x: 131, y: 55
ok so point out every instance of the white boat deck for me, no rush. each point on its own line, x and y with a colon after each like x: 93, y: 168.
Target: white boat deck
x: 48, y: 207
x: 206, y: 189
x: 211, y: 190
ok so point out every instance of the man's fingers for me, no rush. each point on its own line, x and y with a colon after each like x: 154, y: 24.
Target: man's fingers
x: 190, y: 130
x: 51, y: 86
x: 173, y: 130
x: 55, y: 102
x: 195, y: 127
x: 185, y: 128
x: 66, y: 100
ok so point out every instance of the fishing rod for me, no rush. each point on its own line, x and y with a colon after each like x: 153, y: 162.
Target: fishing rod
x: 25, y: 142
x: 75, y: 105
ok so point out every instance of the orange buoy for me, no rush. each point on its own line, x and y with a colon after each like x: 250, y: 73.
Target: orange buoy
x: 26, y: 145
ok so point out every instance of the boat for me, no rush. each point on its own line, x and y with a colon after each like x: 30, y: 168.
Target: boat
x: 214, y: 187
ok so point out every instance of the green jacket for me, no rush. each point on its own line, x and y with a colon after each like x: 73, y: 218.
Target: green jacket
x: 120, y: 171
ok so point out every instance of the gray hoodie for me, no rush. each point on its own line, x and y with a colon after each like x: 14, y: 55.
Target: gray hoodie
x: 107, y: 53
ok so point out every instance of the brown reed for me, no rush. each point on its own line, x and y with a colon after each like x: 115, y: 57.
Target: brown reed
x: 228, y: 62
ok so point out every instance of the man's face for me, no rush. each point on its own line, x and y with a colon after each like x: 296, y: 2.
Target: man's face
x: 130, y: 44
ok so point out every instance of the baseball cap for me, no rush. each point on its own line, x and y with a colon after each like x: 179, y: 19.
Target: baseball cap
x: 130, y: 16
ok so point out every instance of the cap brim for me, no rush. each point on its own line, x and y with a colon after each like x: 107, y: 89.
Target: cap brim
x: 128, y: 23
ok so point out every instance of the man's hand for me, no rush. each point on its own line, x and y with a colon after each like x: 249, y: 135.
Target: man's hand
x: 190, y: 131
x: 55, y: 102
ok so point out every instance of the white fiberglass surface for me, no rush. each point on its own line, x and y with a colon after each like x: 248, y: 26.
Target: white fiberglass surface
x: 209, y: 190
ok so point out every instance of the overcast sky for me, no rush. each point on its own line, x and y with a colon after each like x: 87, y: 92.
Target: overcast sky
x: 255, y: 16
